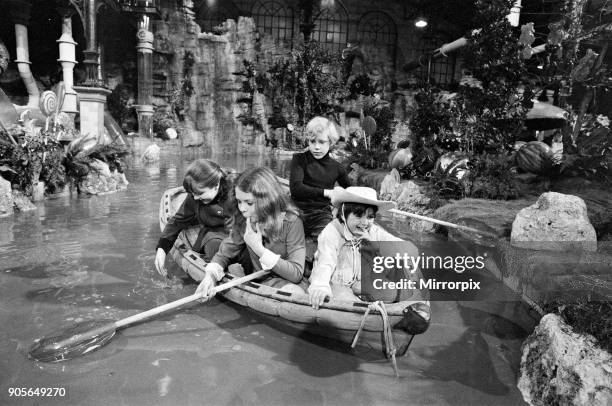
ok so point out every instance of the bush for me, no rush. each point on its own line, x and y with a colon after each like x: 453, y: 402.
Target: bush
x: 491, y: 176
x: 162, y: 120
x: 375, y: 153
x: 35, y: 157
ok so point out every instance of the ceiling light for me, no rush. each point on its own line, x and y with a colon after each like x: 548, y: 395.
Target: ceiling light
x: 420, y: 22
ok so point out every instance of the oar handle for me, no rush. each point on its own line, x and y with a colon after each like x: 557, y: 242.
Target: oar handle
x: 177, y: 303
x: 443, y: 223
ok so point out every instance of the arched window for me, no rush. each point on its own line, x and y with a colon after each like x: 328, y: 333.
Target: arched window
x: 331, y: 28
x: 273, y: 18
x: 378, y: 28
x: 443, y: 68
x: 211, y: 16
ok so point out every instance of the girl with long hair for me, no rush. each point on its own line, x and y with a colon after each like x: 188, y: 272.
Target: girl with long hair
x: 268, y: 226
x: 209, y: 203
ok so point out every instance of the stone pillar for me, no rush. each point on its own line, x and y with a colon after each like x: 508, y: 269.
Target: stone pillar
x: 20, y: 14
x: 144, y: 49
x: 67, y: 59
x: 91, y: 61
x: 91, y: 105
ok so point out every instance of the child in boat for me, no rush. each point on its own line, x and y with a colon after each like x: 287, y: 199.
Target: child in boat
x: 314, y: 174
x: 337, y: 266
x: 268, y: 225
x: 209, y: 203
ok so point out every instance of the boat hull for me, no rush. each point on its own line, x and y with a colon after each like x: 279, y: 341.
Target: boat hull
x: 334, y: 319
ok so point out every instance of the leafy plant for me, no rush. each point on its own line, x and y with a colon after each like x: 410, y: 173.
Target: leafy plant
x: 374, y: 152
x: 491, y: 176
x: 305, y: 84
x: 162, y: 120
x: 179, y: 96
x: 35, y: 157
x: 591, y: 155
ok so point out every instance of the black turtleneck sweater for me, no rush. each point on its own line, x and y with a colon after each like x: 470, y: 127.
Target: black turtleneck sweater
x: 310, y: 177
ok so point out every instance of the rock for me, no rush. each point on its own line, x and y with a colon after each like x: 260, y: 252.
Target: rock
x: 151, y: 153
x: 101, y: 167
x: 22, y: 202
x: 171, y: 133
x: 38, y: 191
x: 97, y: 183
x: 598, y: 199
x: 411, y: 197
x: 561, y: 367
x: 121, y: 180
x: 389, y: 184
x: 6, y: 198
x: 555, y: 222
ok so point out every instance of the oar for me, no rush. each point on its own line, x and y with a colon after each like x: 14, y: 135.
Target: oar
x: 444, y: 223
x: 73, y: 342
x: 285, y: 183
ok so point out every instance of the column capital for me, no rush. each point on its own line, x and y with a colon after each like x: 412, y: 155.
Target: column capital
x: 145, y: 40
x: 64, y: 8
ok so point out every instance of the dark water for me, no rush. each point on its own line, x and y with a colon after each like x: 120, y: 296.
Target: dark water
x: 90, y: 258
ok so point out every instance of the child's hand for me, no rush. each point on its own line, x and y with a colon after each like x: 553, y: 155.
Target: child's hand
x: 317, y: 296
x: 160, y: 258
x: 253, y: 238
x: 206, y: 287
x: 333, y: 193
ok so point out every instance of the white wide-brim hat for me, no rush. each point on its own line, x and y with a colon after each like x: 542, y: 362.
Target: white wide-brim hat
x: 362, y: 195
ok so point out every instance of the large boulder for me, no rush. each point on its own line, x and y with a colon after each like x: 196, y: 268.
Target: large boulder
x: 100, y: 180
x: 22, y: 203
x: 410, y: 197
x: 560, y: 367
x: 6, y: 198
x: 555, y: 222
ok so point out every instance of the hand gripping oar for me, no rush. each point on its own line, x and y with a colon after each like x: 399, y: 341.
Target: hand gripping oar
x: 91, y: 335
x: 444, y: 223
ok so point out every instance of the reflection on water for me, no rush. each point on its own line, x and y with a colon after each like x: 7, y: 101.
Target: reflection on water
x: 88, y: 258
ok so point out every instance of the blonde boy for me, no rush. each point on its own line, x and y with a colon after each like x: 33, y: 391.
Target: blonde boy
x: 314, y: 174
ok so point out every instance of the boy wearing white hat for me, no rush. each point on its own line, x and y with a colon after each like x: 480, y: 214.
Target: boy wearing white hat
x: 337, y: 266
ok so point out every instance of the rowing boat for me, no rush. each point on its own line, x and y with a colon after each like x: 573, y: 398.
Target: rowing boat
x: 335, y: 318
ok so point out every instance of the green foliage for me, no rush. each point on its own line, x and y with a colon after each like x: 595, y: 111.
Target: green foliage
x: 361, y: 86
x: 36, y: 157
x: 446, y: 185
x: 591, y: 155
x: 306, y: 84
x: 491, y: 176
x: 482, y: 119
x: 162, y: 120
x: 112, y: 154
x: 493, y: 53
x: 374, y: 152
x: 179, y: 96
x: 250, y: 85
x: 430, y: 127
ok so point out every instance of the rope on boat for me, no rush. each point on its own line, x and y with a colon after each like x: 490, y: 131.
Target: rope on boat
x: 390, y: 348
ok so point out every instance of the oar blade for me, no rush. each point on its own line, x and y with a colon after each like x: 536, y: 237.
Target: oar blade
x: 67, y: 344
